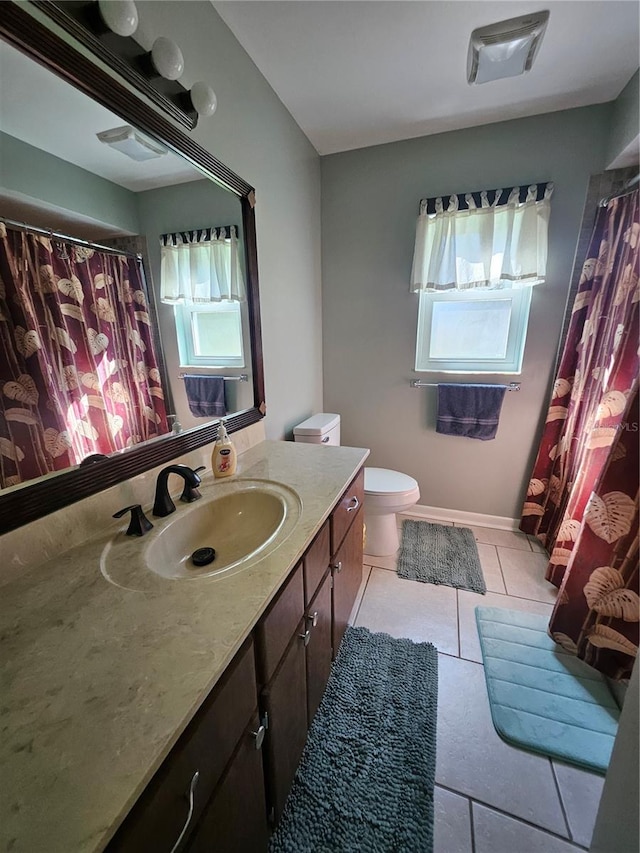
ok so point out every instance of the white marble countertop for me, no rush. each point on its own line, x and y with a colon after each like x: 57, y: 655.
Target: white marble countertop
x: 99, y: 681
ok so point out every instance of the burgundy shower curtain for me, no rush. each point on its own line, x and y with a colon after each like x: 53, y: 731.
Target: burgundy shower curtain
x: 78, y: 369
x: 582, y: 501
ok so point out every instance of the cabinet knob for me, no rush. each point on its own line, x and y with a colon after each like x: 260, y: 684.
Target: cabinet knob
x: 190, y: 795
x: 355, y: 503
x: 306, y: 636
x: 337, y: 567
x: 258, y: 737
x: 312, y: 618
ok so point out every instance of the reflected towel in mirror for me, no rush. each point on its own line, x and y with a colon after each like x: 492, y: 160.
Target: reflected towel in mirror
x: 471, y: 411
x: 206, y: 396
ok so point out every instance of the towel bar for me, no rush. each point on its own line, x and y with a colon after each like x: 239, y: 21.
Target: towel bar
x: 418, y: 383
x: 242, y: 377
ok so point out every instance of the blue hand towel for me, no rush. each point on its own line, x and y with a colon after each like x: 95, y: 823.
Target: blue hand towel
x: 206, y: 396
x: 471, y: 411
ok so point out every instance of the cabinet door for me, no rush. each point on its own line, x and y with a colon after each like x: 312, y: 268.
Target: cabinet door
x: 345, y: 512
x: 346, y: 567
x: 316, y: 562
x: 318, y: 624
x: 285, y: 701
x: 235, y: 821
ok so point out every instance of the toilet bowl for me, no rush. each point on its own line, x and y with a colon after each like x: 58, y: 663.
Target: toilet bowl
x: 386, y: 492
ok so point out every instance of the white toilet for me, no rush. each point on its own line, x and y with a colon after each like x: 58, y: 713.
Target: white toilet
x: 385, y: 492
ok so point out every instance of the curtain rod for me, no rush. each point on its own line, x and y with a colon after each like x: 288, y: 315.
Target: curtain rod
x: 57, y: 235
x: 627, y: 189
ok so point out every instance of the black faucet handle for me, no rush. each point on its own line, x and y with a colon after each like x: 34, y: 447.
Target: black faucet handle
x: 190, y: 493
x: 139, y: 524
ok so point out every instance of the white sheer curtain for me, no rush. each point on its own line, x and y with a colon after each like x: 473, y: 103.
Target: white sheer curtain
x: 201, y: 266
x: 488, y: 244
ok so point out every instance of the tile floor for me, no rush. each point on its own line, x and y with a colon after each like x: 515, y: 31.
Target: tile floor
x: 490, y: 797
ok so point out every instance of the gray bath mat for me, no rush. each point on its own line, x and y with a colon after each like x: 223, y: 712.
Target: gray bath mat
x: 440, y: 554
x: 365, y: 781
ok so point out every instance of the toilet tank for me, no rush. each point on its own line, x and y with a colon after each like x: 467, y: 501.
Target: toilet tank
x: 323, y: 428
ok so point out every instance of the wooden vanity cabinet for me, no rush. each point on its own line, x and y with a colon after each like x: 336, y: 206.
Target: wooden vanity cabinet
x: 218, y: 736
x: 346, y: 560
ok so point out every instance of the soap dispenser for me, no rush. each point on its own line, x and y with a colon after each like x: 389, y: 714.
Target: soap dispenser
x: 224, y: 458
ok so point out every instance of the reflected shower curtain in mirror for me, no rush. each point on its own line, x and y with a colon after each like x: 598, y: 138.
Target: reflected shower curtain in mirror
x: 78, y: 370
x: 582, y: 500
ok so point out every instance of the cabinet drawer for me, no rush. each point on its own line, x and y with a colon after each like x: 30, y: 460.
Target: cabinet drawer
x: 206, y: 746
x: 315, y: 562
x: 276, y: 628
x: 346, y: 510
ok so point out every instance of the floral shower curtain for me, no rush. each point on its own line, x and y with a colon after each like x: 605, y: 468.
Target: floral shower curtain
x: 582, y: 501
x: 78, y: 369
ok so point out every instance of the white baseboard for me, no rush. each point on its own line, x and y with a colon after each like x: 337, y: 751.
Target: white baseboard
x: 475, y: 519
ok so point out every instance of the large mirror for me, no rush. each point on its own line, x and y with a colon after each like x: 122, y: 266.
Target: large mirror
x: 111, y: 364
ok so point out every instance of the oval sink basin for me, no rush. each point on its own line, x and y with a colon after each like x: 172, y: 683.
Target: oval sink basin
x: 242, y: 521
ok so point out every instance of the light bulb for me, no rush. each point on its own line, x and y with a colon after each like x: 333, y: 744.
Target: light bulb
x: 203, y: 99
x: 121, y: 16
x: 167, y: 58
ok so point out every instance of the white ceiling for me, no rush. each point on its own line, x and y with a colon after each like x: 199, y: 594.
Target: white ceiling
x: 355, y: 73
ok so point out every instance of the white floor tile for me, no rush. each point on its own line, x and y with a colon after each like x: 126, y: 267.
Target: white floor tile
x: 536, y: 546
x: 524, y: 575
x: 467, y: 603
x: 491, y: 568
x: 388, y: 563
x: 452, y: 828
x: 420, y: 611
x: 474, y: 761
x: 366, y: 571
x: 506, y: 538
x: 580, y: 792
x: 497, y: 833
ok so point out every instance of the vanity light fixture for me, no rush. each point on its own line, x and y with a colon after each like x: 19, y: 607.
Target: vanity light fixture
x: 120, y: 16
x: 203, y: 99
x: 132, y: 142
x: 167, y: 59
x: 505, y: 49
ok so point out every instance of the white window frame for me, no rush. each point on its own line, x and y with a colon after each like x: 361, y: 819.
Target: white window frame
x: 511, y: 364
x: 186, y: 333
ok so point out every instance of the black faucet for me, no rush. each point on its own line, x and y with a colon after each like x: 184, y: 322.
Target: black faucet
x: 163, y: 505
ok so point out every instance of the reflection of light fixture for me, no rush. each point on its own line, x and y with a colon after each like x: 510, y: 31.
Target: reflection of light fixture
x: 132, y: 143
x: 506, y: 49
x: 121, y: 16
x: 167, y: 58
x: 203, y: 99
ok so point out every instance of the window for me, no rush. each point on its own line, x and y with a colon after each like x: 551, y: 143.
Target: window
x: 472, y: 331
x: 210, y: 334
x: 475, y: 262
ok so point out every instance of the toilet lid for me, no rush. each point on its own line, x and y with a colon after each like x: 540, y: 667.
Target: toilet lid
x: 382, y: 481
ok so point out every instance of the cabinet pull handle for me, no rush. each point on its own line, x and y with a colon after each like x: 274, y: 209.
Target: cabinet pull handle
x: 355, y: 504
x: 306, y: 636
x: 312, y: 618
x: 259, y: 736
x: 325, y: 439
x: 337, y: 567
x: 190, y: 795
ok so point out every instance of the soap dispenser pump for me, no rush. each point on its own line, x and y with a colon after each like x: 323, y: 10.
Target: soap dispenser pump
x: 224, y: 458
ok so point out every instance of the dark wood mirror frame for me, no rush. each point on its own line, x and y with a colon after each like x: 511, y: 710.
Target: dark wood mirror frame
x: 32, y: 501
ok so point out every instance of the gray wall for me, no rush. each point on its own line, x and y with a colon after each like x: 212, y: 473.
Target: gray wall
x: 625, y: 119
x: 254, y: 135
x: 369, y: 208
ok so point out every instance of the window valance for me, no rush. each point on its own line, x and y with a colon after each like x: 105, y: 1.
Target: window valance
x: 201, y: 266
x: 488, y: 239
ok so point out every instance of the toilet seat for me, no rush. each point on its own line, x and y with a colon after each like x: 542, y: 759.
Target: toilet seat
x: 383, y: 482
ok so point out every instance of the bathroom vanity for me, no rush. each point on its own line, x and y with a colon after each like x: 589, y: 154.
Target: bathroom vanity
x: 140, y: 716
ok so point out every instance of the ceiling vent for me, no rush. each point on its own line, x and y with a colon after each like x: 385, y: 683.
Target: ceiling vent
x: 506, y: 49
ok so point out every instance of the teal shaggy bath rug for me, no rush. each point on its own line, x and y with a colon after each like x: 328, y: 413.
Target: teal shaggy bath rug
x: 365, y: 781
x: 440, y: 554
x: 543, y: 698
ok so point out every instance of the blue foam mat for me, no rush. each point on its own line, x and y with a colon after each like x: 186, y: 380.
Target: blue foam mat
x: 542, y: 698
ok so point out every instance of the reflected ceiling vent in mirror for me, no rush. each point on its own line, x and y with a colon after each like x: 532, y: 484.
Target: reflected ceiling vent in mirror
x: 506, y: 49
x: 131, y: 142
x: 106, y: 27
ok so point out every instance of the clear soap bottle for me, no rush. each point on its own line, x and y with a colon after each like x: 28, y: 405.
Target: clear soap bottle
x: 224, y: 459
